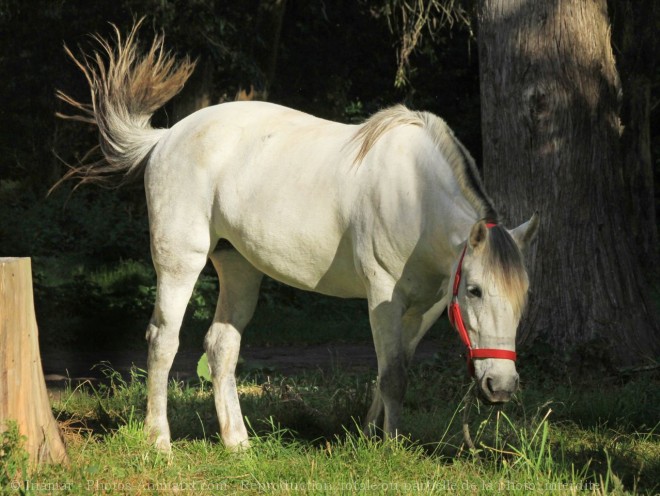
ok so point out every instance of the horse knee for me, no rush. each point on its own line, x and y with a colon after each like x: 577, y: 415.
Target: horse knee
x: 163, y: 344
x: 222, y: 344
x: 222, y: 338
x: 161, y: 334
x: 152, y: 332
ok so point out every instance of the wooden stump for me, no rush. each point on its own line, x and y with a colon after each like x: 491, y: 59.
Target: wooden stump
x: 23, y: 396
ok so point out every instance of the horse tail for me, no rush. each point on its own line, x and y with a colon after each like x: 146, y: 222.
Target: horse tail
x: 126, y: 89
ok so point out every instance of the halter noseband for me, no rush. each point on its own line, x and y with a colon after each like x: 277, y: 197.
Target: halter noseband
x: 456, y: 320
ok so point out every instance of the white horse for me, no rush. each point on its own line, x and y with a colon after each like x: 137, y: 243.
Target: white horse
x: 380, y: 211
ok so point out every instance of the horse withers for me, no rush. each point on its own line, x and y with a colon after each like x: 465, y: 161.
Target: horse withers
x: 382, y: 211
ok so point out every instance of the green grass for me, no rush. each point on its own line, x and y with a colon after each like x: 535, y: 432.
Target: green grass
x: 305, y: 440
x: 554, y: 438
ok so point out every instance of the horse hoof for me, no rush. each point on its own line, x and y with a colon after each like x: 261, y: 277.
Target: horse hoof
x: 163, y: 444
x: 238, y: 447
x: 160, y: 441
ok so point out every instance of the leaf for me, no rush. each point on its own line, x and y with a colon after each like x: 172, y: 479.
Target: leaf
x: 203, y: 370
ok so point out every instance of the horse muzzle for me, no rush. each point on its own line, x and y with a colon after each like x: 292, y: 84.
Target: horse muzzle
x: 494, y: 389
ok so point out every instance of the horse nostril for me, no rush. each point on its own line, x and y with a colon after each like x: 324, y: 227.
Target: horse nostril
x: 489, y: 385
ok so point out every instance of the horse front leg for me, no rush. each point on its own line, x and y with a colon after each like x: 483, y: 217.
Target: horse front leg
x: 385, y: 316
x: 415, y: 326
x: 374, y: 419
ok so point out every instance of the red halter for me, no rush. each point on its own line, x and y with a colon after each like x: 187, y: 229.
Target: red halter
x: 456, y: 320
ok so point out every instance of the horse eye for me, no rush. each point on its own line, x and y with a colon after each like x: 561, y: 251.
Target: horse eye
x: 474, y: 291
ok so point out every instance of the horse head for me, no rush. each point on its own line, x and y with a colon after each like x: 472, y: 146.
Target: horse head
x: 489, y: 292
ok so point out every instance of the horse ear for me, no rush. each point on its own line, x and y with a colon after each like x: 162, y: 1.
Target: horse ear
x: 524, y: 233
x: 478, y: 235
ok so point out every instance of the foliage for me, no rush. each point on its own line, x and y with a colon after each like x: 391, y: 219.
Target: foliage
x: 92, y: 225
x: 74, y: 295
x: 115, y: 302
x: 13, y: 457
x: 203, y: 369
x: 411, y: 18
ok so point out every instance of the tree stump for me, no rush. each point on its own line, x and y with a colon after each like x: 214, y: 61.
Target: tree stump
x: 23, y: 395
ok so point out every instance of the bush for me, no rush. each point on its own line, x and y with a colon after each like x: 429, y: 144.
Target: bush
x: 13, y: 457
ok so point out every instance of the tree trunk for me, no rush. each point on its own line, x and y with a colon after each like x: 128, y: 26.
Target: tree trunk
x: 634, y: 34
x: 551, y: 131
x: 23, y: 396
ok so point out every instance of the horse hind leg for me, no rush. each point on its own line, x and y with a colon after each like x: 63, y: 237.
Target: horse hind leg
x: 176, y: 278
x: 239, y: 291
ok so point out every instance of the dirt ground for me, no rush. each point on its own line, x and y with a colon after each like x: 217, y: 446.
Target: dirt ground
x: 62, y: 366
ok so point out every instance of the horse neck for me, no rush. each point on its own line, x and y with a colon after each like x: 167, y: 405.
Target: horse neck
x: 452, y: 220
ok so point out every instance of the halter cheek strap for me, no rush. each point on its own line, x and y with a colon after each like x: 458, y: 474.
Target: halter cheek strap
x: 456, y: 320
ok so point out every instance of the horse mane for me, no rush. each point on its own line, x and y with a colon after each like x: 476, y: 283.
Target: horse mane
x: 380, y: 123
x: 503, y: 257
x: 457, y: 156
x: 504, y: 261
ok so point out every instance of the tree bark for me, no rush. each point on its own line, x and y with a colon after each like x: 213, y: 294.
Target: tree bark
x: 634, y: 35
x: 551, y: 130
x: 23, y: 395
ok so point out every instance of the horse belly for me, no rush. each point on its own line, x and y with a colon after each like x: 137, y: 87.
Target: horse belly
x: 293, y: 232
x: 313, y: 264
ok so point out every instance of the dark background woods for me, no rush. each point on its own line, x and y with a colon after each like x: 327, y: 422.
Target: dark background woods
x: 337, y: 59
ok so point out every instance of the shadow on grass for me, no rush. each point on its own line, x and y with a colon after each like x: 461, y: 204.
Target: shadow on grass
x: 604, y: 437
